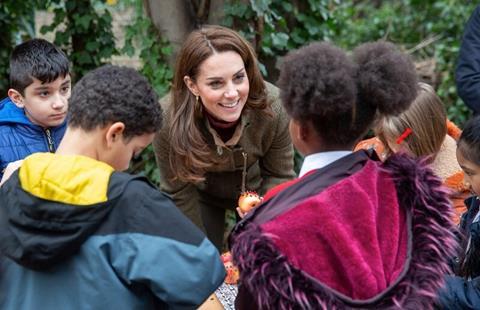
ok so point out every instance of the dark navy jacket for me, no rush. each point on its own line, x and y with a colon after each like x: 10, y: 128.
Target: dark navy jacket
x: 467, y: 74
x: 20, y: 138
x: 460, y: 293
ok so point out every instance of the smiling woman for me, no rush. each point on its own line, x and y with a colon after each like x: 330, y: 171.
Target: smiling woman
x: 221, y: 119
x: 222, y: 85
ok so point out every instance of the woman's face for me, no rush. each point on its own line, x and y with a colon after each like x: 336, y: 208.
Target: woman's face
x: 222, y: 85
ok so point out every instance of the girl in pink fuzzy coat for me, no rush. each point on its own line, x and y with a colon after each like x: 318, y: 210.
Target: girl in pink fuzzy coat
x: 351, y: 231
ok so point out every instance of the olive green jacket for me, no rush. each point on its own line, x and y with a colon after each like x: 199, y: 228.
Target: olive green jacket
x: 266, y: 140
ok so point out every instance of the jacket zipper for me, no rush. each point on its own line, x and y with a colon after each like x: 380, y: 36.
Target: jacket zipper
x: 51, y: 146
x: 244, y: 172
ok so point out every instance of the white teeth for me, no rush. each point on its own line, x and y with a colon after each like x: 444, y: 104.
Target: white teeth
x: 229, y: 105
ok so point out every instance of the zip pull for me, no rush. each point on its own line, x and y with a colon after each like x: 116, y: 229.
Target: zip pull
x: 244, y: 172
x: 51, y: 145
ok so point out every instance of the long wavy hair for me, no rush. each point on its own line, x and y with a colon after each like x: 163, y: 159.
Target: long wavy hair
x: 190, y: 156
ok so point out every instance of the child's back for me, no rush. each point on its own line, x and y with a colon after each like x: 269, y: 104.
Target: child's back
x: 32, y: 117
x: 351, y: 232
x: 76, y: 233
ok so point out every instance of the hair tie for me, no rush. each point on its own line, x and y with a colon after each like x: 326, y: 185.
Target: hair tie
x: 404, y: 135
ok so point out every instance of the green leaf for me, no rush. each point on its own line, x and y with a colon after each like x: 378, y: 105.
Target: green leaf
x: 260, y: 6
x: 83, y: 22
x: 280, y: 39
x: 83, y: 58
x: 92, y: 46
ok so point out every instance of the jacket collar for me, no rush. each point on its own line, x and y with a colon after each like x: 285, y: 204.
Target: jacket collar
x: 244, y: 122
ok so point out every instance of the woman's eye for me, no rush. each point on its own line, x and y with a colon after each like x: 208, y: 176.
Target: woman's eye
x: 65, y: 89
x: 239, y: 78
x: 215, y: 84
x: 44, y: 94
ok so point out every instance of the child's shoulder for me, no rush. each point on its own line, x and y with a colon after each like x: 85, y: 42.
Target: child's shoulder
x: 141, y: 207
x: 10, y: 114
x: 139, y: 191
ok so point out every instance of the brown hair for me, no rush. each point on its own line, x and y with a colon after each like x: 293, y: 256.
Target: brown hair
x: 426, y: 117
x: 189, y: 153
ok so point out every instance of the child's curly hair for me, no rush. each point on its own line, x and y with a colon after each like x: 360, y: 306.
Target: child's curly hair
x: 341, y: 95
x: 115, y: 94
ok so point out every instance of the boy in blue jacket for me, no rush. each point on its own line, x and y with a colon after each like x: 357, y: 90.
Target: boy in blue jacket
x: 76, y: 233
x: 32, y: 117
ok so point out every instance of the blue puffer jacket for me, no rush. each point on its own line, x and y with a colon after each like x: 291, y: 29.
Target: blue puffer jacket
x: 20, y: 138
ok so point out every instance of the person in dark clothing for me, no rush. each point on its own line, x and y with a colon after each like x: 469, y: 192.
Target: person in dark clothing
x: 467, y: 74
x: 33, y: 116
x: 350, y: 232
x: 76, y: 233
x: 462, y: 291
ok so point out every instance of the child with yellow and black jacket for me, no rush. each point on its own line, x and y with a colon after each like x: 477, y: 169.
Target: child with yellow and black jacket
x: 76, y: 233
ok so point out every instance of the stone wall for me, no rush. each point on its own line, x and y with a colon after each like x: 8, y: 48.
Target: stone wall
x: 120, y: 18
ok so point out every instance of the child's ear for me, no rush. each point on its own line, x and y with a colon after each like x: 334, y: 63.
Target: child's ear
x: 114, y: 133
x: 304, y: 131
x: 16, y: 98
x: 191, y: 85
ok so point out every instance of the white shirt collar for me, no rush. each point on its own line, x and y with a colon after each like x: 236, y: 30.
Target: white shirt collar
x: 320, y: 160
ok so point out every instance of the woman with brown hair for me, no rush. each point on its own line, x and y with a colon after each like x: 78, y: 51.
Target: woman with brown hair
x: 225, y: 129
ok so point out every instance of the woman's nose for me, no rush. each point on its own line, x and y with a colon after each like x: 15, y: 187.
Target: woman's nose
x: 231, y: 92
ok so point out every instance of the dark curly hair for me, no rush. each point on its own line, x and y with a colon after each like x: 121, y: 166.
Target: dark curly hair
x: 115, y: 94
x: 36, y: 58
x: 341, y: 95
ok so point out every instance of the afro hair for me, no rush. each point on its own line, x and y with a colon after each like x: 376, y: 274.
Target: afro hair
x: 115, y: 94
x: 341, y: 95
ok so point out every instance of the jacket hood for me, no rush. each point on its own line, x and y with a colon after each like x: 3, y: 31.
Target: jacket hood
x: 52, y: 205
x: 10, y: 113
x: 280, y: 278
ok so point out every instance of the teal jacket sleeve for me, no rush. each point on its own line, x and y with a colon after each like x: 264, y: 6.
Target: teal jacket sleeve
x: 166, y: 253
x: 180, y: 275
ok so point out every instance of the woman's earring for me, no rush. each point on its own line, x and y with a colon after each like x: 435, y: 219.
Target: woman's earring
x: 198, y: 107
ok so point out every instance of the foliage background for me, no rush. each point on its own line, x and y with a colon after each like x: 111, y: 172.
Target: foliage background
x: 430, y: 30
